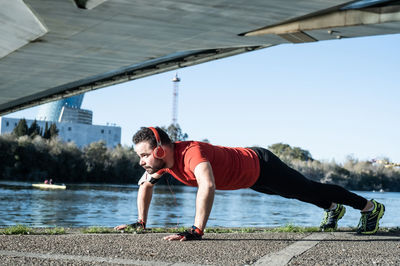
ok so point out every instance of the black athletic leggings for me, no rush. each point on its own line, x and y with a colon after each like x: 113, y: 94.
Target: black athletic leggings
x: 276, y: 178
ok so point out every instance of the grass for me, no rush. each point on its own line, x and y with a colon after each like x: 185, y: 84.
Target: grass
x: 167, y: 230
x: 25, y: 230
x: 16, y: 230
x: 221, y: 230
x: 217, y: 230
x: 289, y: 228
x: 54, y: 231
x: 98, y: 230
x: 390, y: 229
x: 106, y: 230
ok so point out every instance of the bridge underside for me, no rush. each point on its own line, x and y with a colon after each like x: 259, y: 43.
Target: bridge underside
x: 50, y: 49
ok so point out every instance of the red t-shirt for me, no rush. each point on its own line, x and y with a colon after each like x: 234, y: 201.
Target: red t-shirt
x: 233, y: 168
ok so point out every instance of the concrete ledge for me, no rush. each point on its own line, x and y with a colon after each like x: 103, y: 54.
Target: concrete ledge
x: 18, y: 26
x: 88, y: 4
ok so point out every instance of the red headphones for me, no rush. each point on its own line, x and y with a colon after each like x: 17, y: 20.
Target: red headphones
x: 158, y: 152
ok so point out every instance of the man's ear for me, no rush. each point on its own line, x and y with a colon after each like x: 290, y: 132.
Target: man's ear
x: 159, y: 152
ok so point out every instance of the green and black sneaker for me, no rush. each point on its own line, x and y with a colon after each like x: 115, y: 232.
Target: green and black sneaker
x: 330, y: 221
x: 369, y: 221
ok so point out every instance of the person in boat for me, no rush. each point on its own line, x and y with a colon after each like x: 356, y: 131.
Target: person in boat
x: 210, y: 167
x: 46, y: 181
x: 51, y: 182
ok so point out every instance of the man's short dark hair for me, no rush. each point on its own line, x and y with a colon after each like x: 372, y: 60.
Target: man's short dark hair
x: 145, y: 134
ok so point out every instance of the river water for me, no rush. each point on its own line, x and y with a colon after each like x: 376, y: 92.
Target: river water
x: 111, y: 205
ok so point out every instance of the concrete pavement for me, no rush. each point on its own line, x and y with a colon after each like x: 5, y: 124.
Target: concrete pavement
x: 266, y: 248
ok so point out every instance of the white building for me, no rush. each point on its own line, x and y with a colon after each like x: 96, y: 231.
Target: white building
x: 79, y: 133
x: 75, y: 115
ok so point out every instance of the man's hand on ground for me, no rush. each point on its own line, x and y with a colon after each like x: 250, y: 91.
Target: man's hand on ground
x: 139, y: 224
x: 175, y: 237
x: 193, y: 234
x: 121, y: 227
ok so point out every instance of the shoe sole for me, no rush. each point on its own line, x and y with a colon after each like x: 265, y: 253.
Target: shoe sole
x: 380, y: 215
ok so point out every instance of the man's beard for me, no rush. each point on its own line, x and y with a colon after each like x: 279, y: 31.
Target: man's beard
x: 158, y: 165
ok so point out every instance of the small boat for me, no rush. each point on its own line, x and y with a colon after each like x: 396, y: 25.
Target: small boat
x: 49, y: 186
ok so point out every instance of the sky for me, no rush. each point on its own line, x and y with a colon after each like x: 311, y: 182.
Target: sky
x: 335, y: 99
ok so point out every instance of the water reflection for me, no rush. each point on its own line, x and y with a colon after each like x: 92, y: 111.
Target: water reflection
x: 110, y: 205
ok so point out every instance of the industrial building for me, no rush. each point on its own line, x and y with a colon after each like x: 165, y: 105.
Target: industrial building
x: 74, y: 124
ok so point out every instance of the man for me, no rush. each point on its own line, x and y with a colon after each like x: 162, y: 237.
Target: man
x: 211, y: 167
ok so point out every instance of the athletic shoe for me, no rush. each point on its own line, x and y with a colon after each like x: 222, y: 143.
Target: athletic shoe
x: 330, y: 221
x: 369, y: 221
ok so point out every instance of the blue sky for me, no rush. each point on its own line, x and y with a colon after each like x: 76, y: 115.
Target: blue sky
x: 332, y: 98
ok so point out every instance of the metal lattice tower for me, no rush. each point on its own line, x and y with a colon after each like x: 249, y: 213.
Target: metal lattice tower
x: 175, y: 81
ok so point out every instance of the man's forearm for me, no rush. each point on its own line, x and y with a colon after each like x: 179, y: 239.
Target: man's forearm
x: 204, y: 202
x: 143, y: 200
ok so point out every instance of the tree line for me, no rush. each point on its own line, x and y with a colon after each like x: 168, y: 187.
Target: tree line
x: 22, y: 129
x: 34, y: 154
x: 353, y: 174
x: 34, y: 158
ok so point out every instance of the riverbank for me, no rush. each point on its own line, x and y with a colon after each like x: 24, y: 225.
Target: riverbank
x: 255, y: 248
x: 25, y: 230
